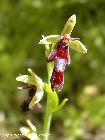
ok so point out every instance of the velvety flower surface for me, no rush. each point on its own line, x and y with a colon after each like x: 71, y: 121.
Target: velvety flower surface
x: 61, y: 58
x: 31, y: 94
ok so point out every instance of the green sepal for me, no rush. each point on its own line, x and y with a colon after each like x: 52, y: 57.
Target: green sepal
x: 77, y: 45
x: 69, y: 25
x: 37, y: 79
x: 31, y: 79
x: 26, y: 79
x: 49, y: 39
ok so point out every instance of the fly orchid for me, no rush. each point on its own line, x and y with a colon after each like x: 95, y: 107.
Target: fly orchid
x: 31, y: 93
x: 35, y: 86
x: 60, y: 53
x: 57, y: 51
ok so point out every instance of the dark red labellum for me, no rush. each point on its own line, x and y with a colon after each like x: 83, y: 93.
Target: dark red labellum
x: 31, y: 94
x: 61, y: 58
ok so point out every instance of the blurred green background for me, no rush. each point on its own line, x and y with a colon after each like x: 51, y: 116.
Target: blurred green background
x: 22, y: 22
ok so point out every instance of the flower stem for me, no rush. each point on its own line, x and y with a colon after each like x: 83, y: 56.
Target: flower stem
x: 48, y: 113
x: 47, y: 121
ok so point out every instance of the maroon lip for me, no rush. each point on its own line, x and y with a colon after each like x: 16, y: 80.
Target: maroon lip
x: 60, y: 56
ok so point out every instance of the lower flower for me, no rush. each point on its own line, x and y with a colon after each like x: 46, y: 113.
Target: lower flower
x: 31, y: 94
x: 35, y: 86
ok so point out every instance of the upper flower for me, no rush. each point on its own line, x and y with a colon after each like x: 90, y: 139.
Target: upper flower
x: 60, y: 53
x: 74, y: 43
x: 61, y: 58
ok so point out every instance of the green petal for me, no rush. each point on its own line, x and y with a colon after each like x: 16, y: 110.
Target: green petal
x: 77, y: 45
x: 49, y: 39
x: 69, y: 25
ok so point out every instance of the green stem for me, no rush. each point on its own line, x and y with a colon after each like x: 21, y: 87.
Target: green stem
x: 47, y: 121
x: 48, y: 113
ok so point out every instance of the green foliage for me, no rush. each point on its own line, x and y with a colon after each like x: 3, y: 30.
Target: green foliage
x: 54, y: 99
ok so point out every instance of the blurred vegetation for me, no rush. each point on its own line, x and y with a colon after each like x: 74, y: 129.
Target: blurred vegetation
x: 22, y: 22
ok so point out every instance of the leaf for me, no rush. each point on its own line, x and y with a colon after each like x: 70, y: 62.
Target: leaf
x: 77, y: 45
x: 62, y: 104
x: 49, y: 39
x: 69, y: 25
x: 53, y: 96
